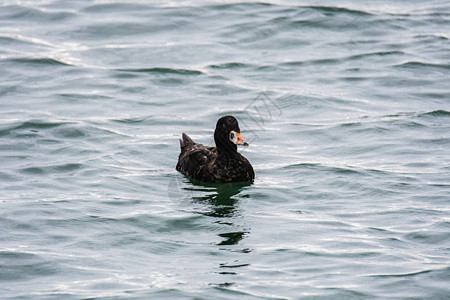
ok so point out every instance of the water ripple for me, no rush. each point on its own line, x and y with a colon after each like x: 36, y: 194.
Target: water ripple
x: 164, y: 71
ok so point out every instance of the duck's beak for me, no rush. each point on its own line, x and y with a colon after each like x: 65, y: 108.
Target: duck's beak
x: 238, y: 138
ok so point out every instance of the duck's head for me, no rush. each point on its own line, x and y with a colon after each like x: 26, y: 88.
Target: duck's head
x: 228, y: 134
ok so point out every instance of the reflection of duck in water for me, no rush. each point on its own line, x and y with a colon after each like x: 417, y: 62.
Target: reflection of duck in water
x: 221, y: 199
x: 218, y: 164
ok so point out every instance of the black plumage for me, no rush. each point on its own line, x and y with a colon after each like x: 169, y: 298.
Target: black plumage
x: 220, y: 164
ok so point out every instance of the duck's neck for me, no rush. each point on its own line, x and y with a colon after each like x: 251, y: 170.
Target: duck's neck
x: 225, y: 148
x: 228, y: 153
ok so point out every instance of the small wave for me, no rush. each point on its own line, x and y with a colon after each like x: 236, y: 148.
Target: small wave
x: 44, y: 61
x: 163, y: 71
x: 22, y: 266
x: 64, y: 168
x: 351, y: 124
x: 249, y: 33
x: 81, y: 96
x: 305, y: 165
x: 114, y: 7
x: 22, y: 41
x: 438, y: 36
x: 427, y: 238
x: 422, y: 65
x: 157, y: 120
x: 18, y: 12
x: 403, y: 274
x: 380, y: 53
x: 431, y: 95
x: 331, y: 10
x: 436, y: 113
x: 241, y: 6
x: 339, y: 60
x: 10, y: 255
x: 31, y: 125
x: 232, y: 65
x: 436, y: 141
x: 70, y: 133
x: 338, y: 170
x: 130, y: 120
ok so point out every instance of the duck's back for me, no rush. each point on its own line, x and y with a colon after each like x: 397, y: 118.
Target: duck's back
x: 194, y: 158
x: 194, y: 161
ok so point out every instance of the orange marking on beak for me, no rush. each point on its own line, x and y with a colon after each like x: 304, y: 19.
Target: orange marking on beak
x: 237, y: 138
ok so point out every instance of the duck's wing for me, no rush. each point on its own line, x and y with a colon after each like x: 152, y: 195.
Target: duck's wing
x: 194, y: 158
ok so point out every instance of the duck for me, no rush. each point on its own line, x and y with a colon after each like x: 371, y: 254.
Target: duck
x: 219, y: 164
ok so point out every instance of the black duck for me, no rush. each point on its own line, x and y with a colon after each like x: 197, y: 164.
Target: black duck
x: 220, y: 164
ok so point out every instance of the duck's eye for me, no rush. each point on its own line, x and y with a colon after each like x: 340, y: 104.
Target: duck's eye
x: 233, y: 136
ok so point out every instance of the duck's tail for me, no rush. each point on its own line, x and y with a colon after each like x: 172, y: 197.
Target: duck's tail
x: 185, y: 140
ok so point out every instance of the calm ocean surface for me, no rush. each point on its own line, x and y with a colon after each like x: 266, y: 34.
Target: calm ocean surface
x: 346, y: 108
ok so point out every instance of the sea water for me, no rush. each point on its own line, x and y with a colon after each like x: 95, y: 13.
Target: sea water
x: 345, y: 105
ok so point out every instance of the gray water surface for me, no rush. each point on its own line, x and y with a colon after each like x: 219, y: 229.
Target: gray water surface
x: 346, y: 107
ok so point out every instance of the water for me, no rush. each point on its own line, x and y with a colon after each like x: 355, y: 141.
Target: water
x: 347, y: 110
